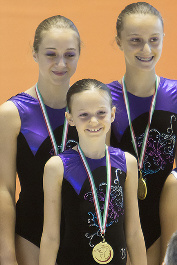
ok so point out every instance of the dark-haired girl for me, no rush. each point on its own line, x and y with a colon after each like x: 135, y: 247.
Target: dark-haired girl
x: 32, y: 129
x: 95, y: 186
x: 146, y: 118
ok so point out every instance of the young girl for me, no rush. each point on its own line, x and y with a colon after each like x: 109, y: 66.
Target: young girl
x: 96, y: 187
x: 32, y: 130
x: 146, y: 118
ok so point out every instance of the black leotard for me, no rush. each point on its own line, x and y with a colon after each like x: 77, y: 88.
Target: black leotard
x: 81, y: 226
x: 33, y: 150
x: 160, y: 150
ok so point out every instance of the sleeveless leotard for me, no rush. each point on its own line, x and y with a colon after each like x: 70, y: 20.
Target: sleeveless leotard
x: 160, y: 150
x: 34, y: 148
x: 174, y: 172
x: 81, y: 226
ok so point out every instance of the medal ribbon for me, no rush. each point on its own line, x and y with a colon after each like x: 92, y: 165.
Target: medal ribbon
x: 48, y: 125
x: 101, y: 220
x: 146, y: 133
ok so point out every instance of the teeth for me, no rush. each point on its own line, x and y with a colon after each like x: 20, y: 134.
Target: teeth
x: 94, y: 130
x: 144, y: 59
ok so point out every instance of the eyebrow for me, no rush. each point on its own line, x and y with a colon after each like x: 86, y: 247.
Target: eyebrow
x: 135, y: 34
x: 51, y: 48
x: 101, y: 107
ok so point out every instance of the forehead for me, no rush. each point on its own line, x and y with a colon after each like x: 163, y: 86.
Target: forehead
x: 65, y: 37
x: 91, y: 98
x: 141, y: 24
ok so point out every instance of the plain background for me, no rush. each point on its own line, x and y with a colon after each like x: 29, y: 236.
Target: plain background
x: 96, y: 21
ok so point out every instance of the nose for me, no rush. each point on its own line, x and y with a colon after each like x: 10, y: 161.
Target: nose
x: 61, y: 61
x: 147, y: 48
x: 93, y: 120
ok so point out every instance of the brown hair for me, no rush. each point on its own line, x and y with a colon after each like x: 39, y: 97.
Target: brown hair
x: 86, y: 84
x: 136, y: 8
x: 53, y: 22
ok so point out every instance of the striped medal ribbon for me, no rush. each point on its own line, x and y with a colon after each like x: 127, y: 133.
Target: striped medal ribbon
x: 101, y: 220
x: 98, y: 250
x: 142, y: 189
x: 48, y: 125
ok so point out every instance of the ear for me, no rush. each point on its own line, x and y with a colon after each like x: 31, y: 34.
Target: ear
x: 35, y: 56
x: 69, y: 118
x: 113, y: 113
x: 118, y: 41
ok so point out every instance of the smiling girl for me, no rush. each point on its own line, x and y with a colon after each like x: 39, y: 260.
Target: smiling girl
x: 95, y: 185
x: 146, y: 117
x: 32, y: 129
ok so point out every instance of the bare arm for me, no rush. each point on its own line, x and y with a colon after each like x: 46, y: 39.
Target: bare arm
x: 9, y: 129
x: 133, y: 232
x: 168, y: 212
x: 50, y: 241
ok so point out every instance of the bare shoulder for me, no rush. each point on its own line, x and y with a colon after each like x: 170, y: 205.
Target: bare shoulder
x: 170, y: 184
x: 130, y: 159
x: 53, y: 163
x: 8, y: 108
x: 9, y: 116
x: 53, y: 170
x: 132, y: 167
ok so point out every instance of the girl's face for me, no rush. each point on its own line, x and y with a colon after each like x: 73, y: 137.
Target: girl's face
x: 91, y: 113
x: 141, y: 40
x: 58, y: 55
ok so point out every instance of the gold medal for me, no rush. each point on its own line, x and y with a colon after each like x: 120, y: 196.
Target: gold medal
x: 102, y: 253
x: 142, y: 188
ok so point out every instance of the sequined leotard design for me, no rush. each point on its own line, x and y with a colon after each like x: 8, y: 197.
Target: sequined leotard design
x: 33, y: 150
x: 81, y: 226
x: 159, y: 156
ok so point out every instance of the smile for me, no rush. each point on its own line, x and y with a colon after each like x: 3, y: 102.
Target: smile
x: 144, y: 59
x: 94, y: 130
x: 59, y: 73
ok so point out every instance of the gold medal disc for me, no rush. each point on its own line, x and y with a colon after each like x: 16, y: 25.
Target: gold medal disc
x: 142, y: 188
x: 102, y: 253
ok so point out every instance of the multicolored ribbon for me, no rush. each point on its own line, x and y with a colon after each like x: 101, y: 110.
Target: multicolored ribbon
x: 146, y: 133
x: 48, y: 125
x: 102, y: 221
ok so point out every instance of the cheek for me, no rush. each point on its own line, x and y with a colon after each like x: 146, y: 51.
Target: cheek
x: 107, y: 119
x: 74, y: 63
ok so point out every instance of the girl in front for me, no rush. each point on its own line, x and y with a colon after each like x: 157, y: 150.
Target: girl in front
x: 95, y: 185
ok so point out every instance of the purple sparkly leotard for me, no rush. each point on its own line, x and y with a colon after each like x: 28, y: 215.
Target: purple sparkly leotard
x: 34, y: 148
x: 161, y: 143
x: 81, y: 226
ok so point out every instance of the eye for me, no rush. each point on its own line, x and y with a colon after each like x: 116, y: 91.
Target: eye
x: 70, y: 54
x: 101, y: 112
x: 154, y: 39
x: 51, y: 54
x: 83, y: 115
x: 135, y: 40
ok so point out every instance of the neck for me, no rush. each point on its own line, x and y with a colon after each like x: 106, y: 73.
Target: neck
x: 140, y: 83
x: 93, y: 149
x: 53, y: 96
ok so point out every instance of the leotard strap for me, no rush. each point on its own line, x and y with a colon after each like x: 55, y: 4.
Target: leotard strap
x: 174, y: 172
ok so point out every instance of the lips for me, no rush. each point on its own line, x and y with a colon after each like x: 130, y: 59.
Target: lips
x: 59, y: 73
x: 94, y: 130
x: 145, y: 59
